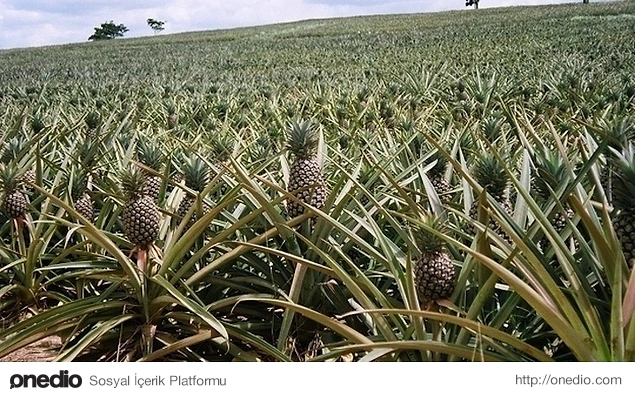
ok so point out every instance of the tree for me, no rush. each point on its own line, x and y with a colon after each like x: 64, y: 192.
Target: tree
x: 156, y: 25
x: 472, y: 3
x: 108, y: 30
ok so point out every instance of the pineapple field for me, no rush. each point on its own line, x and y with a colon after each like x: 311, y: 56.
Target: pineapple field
x: 456, y: 186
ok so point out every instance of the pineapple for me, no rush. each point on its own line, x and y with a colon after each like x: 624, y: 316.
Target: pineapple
x: 623, y: 218
x: 221, y: 149
x: 152, y: 157
x: 173, y: 118
x: 29, y: 177
x: 14, y: 202
x: 491, y: 175
x: 82, y: 201
x: 92, y: 122
x: 196, y: 178
x: 551, y: 171
x: 306, y: 181
x: 434, y: 272
x: 617, y: 136
x: 140, y: 214
x: 437, y: 175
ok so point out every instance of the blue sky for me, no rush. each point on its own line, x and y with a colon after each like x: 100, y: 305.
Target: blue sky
x: 26, y: 23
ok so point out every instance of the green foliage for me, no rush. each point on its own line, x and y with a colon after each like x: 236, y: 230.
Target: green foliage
x: 108, y: 30
x: 155, y: 24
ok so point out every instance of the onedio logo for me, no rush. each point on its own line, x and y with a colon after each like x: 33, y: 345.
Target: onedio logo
x: 61, y: 380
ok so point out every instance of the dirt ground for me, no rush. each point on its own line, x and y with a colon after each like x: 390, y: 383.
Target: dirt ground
x: 44, y: 350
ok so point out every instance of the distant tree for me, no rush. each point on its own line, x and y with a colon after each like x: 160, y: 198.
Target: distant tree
x: 155, y: 24
x: 585, y: 1
x: 108, y: 30
x: 475, y: 3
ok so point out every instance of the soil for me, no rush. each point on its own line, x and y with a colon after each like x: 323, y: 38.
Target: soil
x: 44, y: 350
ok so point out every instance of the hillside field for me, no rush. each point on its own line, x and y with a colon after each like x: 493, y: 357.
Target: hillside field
x: 454, y: 186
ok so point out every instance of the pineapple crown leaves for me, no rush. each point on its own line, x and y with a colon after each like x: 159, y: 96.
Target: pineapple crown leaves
x: 619, y: 133
x: 13, y: 149
x: 492, y: 128
x: 425, y: 237
x: 88, y: 154
x: 624, y: 182
x: 196, y: 173
x: 10, y: 177
x: 150, y: 155
x: 302, y: 139
x: 170, y: 108
x: 222, y: 148
x: 550, y: 171
x: 490, y: 173
x: 92, y: 120
x: 77, y: 183
x: 37, y: 124
x: 132, y: 182
x: 440, y: 164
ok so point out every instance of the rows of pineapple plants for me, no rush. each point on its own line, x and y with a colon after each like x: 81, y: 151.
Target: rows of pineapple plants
x: 452, y: 212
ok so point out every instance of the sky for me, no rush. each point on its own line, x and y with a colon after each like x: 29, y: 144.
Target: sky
x: 29, y: 23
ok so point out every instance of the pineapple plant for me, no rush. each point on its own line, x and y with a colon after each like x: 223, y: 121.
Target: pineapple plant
x: 623, y: 217
x: 434, y: 272
x: 196, y: 174
x: 140, y: 214
x: 152, y: 157
x: 490, y: 173
x: 14, y: 201
x: 306, y: 181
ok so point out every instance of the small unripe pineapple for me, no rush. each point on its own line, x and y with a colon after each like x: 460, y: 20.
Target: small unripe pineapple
x: 14, y: 202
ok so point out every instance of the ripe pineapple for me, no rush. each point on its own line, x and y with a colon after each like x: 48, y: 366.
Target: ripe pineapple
x: 152, y: 157
x: 491, y: 175
x: 623, y: 218
x: 306, y: 181
x: 140, y: 214
x: 14, y: 202
x: 196, y: 175
x: 434, y: 273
